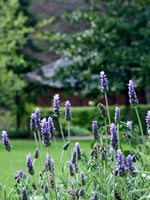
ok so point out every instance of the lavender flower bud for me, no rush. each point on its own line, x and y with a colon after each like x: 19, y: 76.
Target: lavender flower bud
x: 37, y: 117
x: 24, y: 194
x: 117, y: 114
x: 103, y: 152
x: 95, y: 129
x: 66, y: 145
x: 36, y: 153
x: 45, y: 131
x: 51, y: 126
x: 29, y: 165
x: 130, y: 165
x: 102, y: 110
x: 114, y: 136
x: 78, y: 150
x: 82, y: 178
x: 76, y: 167
x: 71, y: 170
x: 129, y: 125
x: 46, y: 189
x: 74, y: 156
x: 20, y: 175
x: 120, y: 164
x: 5, y: 140
x: 52, y: 182
x: 33, y: 122
x: 104, y: 82
x: 148, y: 121
x: 71, y: 193
x: 56, y: 105
x: 132, y: 95
x: 68, y: 114
x: 94, y: 197
x: 81, y: 192
x: 48, y: 162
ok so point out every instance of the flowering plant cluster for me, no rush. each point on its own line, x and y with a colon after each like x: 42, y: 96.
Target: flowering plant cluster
x: 106, y: 173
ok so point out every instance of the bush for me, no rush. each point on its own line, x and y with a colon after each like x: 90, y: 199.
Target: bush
x: 83, y: 117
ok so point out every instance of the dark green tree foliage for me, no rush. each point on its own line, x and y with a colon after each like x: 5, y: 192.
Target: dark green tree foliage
x: 15, y: 33
x: 116, y: 39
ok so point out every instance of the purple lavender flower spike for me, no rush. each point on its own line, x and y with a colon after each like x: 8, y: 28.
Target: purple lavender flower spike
x: 66, y: 145
x: 117, y: 114
x: 29, y: 165
x: 68, y: 113
x: 56, y: 105
x: 104, y: 82
x: 24, y: 194
x: 71, y: 170
x: 81, y: 192
x: 46, y: 189
x: 37, y: 115
x: 78, y: 150
x: 148, y: 121
x: 45, y: 131
x: 129, y: 125
x: 74, y: 156
x: 121, y: 171
x: 5, y: 140
x: 82, y: 178
x: 33, y: 122
x: 36, y: 153
x: 132, y: 95
x: 130, y: 165
x: 95, y: 129
x: 51, y: 126
x: 114, y: 137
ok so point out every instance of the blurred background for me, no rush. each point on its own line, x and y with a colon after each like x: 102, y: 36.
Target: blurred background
x: 49, y: 47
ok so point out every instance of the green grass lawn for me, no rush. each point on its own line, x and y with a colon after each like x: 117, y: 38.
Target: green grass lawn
x: 20, y: 148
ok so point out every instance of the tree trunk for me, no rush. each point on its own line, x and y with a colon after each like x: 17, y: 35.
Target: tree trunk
x: 147, y: 94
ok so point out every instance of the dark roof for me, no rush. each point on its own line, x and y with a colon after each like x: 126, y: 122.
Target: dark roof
x: 45, y: 74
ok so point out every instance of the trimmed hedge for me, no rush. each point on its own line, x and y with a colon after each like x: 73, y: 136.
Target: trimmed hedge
x: 80, y: 124
x: 82, y: 117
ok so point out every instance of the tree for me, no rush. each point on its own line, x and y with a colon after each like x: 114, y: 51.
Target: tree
x: 15, y: 43
x: 116, y: 39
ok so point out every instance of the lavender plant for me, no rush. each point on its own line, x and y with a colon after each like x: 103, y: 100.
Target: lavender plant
x: 106, y: 173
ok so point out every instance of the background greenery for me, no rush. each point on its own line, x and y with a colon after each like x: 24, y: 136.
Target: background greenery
x: 114, y: 37
x: 80, y: 125
x: 97, y: 35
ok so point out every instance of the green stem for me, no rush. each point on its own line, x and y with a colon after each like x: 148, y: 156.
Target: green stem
x: 61, y: 130
x: 52, y: 174
x: 107, y: 108
x: 37, y: 146
x: 119, y: 137
x: 69, y: 152
x: 56, y: 147
x: 106, y: 134
x: 69, y: 131
x: 40, y: 145
x: 140, y: 125
x: 114, y: 168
